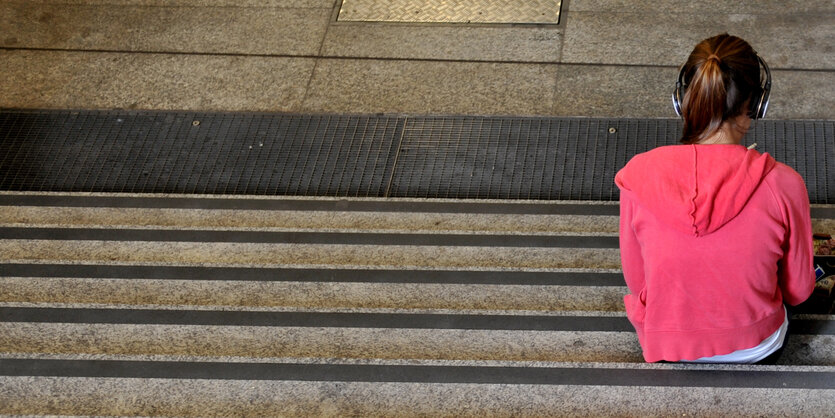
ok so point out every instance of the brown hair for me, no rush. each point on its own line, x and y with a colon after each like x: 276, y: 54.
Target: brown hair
x: 720, y: 77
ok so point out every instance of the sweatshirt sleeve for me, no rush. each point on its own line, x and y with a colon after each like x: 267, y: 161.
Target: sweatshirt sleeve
x: 796, y: 276
x: 632, y: 263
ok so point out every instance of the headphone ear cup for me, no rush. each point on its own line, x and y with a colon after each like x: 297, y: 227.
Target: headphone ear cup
x: 676, y: 102
x: 759, y: 107
x: 763, y: 105
x: 678, y: 92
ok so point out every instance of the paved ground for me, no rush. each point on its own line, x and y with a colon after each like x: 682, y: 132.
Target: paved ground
x: 613, y: 58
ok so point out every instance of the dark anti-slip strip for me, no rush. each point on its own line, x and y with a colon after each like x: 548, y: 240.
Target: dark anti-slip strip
x: 823, y: 213
x: 337, y: 238
x: 420, y: 374
x: 349, y: 320
x: 92, y: 271
x: 812, y: 327
x: 316, y: 319
x: 307, y: 205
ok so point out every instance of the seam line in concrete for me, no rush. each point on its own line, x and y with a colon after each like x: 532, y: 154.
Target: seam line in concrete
x: 697, y: 13
x: 361, y: 58
x: 166, y: 6
x: 315, y: 58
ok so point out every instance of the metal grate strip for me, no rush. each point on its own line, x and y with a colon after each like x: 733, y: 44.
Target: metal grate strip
x: 167, y: 152
x: 573, y: 158
x: 461, y: 157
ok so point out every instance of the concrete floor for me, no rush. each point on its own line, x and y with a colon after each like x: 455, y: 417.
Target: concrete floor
x: 613, y: 58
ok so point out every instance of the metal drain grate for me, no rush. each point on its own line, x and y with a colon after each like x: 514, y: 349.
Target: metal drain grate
x: 159, y: 152
x: 808, y: 147
x: 338, y: 155
x: 573, y: 158
x: 516, y: 158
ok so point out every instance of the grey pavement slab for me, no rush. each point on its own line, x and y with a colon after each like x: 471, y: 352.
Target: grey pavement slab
x: 802, y: 95
x: 50, y: 79
x: 231, y: 30
x: 614, y: 91
x: 192, y: 3
x: 53, y: 79
x: 638, y: 91
x: 397, y: 68
x: 447, y: 42
x: 369, y: 86
x: 803, y: 41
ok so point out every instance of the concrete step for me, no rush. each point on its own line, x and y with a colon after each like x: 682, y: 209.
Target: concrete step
x: 299, y: 220
x: 241, y: 386
x: 323, y: 287
x: 367, y: 214
x: 403, y: 334
x: 312, y: 294
x: 317, y: 342
x: 174, y: 305
x: 253, y: 246
x: 249, y: 254
x: 298, y: 213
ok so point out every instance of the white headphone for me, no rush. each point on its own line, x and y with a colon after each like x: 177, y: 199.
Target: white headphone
x: 758, y: 108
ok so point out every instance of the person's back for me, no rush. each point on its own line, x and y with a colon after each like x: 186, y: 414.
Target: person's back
x: 714, y: 237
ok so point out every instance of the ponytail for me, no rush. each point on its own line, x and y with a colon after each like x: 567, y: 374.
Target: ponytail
x: 704, y: 101
x: 720, y: 76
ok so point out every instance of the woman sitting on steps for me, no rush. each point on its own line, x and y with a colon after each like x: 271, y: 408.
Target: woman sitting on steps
x: 714, y: 237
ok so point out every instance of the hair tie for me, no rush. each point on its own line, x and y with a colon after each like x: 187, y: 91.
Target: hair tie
x: 713, y: 57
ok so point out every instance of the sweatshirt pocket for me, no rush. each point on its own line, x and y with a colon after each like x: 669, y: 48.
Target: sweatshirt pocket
x: 635, y: 311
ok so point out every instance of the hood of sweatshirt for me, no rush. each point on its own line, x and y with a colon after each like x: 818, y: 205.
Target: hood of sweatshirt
x: 695, y: 189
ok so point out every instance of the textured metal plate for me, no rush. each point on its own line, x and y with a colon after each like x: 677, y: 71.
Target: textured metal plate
x: 446, y: 11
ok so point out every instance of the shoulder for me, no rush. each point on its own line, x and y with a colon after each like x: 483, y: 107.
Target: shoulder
x: 656, y: 159
x: 785, y: 179
x: 788, y: 189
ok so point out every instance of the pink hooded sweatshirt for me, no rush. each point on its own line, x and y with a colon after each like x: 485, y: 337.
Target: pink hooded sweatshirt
x: 713, y: 239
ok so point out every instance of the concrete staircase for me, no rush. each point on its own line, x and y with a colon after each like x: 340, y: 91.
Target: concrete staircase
x: 211, y: 305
